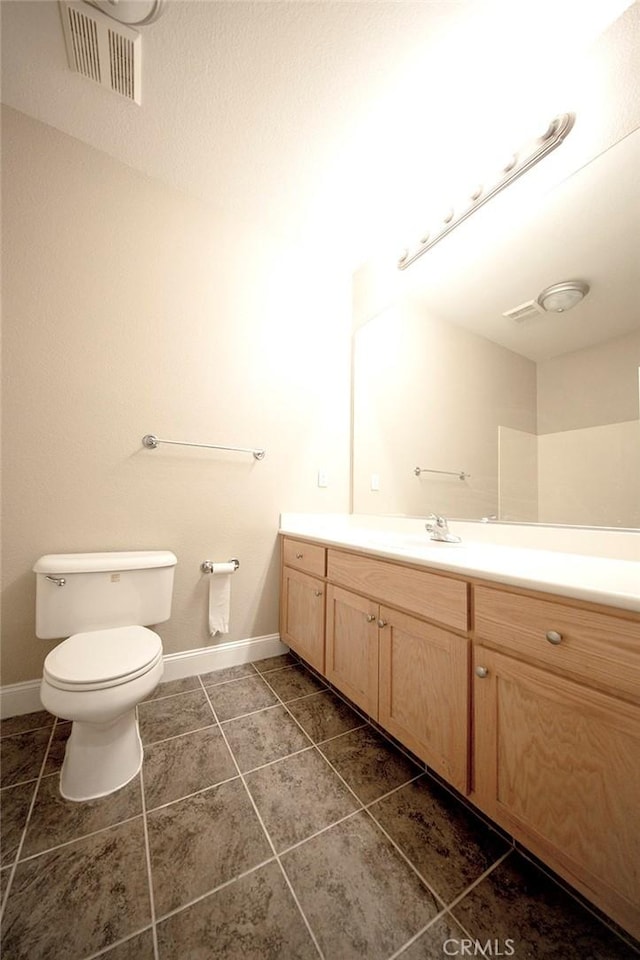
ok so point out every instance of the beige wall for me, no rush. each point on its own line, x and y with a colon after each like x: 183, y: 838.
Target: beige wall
x: 591, y: 476
x: 430, y: 394
x: 589, y: 435
x: 590, y: 387
x: 128, y: 309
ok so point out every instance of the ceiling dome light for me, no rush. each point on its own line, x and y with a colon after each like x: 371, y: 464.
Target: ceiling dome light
x: 560, y: 297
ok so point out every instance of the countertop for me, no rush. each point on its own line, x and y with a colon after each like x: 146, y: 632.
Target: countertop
x: 605, y: 580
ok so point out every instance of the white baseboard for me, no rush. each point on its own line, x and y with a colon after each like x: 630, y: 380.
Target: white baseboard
x: 188, y: 663
x: 19, y: 698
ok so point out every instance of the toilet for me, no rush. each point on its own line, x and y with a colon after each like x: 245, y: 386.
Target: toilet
x: 103, y: 603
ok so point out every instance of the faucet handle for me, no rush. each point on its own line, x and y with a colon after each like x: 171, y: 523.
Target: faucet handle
x: 440, y: 522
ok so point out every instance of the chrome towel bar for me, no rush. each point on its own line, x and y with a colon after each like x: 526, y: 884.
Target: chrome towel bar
x: 460, y: 474
x: 151, y: 441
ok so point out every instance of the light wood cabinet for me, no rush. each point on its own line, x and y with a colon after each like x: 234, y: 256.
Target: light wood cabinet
x: 557, y: 765
x: 545, y: 737
x: 352, y: 647
x: 424, y: 692
x: 409, y: 675
x: 431, y: 595
x: 302, y: 609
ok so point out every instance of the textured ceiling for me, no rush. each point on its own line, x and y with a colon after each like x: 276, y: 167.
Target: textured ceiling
x: 331, y: 122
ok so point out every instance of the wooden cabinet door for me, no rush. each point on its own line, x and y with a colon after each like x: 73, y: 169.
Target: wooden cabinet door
x: 557, y: 764
x: 302, y: 615
x: 352, y: 647
x: 424, y: 693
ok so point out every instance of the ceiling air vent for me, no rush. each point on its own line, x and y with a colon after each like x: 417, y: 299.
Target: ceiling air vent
x: 102, y: 50
x: 526, y: 311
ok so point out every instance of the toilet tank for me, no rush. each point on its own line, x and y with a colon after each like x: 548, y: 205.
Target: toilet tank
x: 102, y: 590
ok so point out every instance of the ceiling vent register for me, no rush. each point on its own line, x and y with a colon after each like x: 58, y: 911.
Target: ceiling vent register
x: 102, y: 50
x: 525, y: 311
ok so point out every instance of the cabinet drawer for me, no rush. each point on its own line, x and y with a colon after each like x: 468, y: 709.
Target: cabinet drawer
x: 305, y: 556
x: 600, y: 649
x: 426, y: 594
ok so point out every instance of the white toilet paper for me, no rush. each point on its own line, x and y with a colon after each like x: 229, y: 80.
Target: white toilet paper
x: 220, y: 597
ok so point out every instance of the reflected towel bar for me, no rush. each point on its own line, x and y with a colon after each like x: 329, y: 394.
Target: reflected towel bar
x: 460, y: 474
x: 151, y: 441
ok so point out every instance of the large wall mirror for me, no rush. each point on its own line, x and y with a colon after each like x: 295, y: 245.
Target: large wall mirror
x: 461, y: 410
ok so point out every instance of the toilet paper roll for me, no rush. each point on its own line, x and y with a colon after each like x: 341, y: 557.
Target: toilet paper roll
x: 220, y: 597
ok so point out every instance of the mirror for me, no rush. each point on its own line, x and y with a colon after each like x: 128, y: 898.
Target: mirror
x: 461, y: 410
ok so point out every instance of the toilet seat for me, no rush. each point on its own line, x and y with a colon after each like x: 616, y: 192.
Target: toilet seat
x: 99, y: 659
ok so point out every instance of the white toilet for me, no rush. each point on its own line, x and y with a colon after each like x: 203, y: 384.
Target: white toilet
x: 108, y: 664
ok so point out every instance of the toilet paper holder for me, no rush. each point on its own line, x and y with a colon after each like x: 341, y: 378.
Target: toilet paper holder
x: 207, y: 565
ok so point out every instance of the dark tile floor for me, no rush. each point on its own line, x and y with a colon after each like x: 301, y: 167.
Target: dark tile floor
x: 271, y: 821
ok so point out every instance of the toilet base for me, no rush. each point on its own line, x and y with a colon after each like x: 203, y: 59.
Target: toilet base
x: 101, y: 757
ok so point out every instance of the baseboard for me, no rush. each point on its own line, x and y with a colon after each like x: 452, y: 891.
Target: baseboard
x: 19, y: 698
x: 188, y: 663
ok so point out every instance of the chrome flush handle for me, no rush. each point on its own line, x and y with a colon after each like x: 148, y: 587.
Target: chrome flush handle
x: 59, y: 581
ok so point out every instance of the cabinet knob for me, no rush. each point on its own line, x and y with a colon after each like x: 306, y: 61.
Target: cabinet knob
x: 482, y: 672
x: 382, y: 623
x: 554, y: 637
x: 317, y: 593
x: 299, y: 556
x: 370, y: 617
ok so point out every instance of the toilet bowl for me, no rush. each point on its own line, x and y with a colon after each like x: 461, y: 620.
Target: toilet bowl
x: 96, y: 679
x: 103, y: 603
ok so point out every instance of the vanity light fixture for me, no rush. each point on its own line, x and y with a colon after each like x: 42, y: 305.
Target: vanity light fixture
x: 516, y: 165
x: 560, y: 297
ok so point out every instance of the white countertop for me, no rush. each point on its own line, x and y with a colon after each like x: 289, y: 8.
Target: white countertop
x: 606, y: 580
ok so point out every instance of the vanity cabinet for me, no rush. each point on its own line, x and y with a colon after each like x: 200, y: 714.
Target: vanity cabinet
x: 527, y: 702
x: 424, y: 692
x: 302, y: 602
x: 556, y: 754
x: 410, y: 675
x: 352, y: 647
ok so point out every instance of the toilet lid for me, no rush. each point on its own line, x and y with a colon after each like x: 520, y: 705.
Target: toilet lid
x: 103, y: 656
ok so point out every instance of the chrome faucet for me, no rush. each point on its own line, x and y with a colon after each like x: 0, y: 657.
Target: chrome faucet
x: 439, y: 529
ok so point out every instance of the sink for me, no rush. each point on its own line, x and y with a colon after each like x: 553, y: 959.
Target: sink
x: 401, y: 541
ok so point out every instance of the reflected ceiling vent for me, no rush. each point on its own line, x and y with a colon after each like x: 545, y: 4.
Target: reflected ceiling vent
x: 526, y: 311
x: 102, y: 49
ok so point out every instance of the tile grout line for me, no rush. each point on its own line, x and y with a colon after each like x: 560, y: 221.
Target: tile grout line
x: 268, y: 836
x: 362, y: 807
x: 620, y: 933
x: 361, y: 804
x: 117, y: 943
x: 435, y: 895
x: 446, y: 911
x: 214, y: 890
x: 424, y: 770
x: 478, y: 880
x: 405, y: 946
x: 14, y: 866
x: 20, y: 733
x: 176, y: 736
x: 368, y: 720
x: 365, y: 807
x: 147, y: 854
x: 84, y: 836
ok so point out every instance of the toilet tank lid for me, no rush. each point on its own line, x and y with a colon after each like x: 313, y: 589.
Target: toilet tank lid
x: 97, y: 562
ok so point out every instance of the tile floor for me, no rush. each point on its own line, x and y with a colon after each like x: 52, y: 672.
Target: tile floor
x: 271, y: 821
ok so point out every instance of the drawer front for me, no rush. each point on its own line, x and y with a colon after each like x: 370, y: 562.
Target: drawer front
x: 600, y: 649
x: 305, y: 556
x: 425, y: 594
